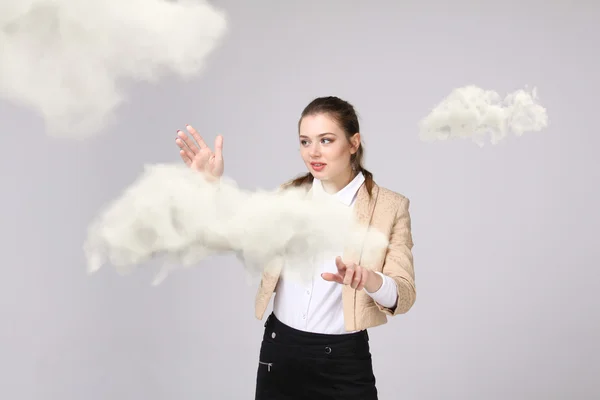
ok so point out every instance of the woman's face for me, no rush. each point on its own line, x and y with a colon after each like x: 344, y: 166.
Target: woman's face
x: 326, y: 151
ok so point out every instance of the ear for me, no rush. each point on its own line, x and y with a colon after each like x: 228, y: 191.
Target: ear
x: 355, y: 142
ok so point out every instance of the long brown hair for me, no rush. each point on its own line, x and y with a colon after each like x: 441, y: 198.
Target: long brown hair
x: 345, y: 115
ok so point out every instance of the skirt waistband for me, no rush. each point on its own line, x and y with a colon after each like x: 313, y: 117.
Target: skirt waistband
x: 277, y: 332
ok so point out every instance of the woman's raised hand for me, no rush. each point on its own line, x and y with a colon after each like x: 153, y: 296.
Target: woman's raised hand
x: 197, y: 155
x: 355, y: 276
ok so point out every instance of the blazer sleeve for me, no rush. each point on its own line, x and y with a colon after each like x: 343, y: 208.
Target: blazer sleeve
x: 398, y: 263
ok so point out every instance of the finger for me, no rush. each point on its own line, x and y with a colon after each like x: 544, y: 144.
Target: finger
x: 328, y: 276
x: 340, y: 265
x: 363, y: 280
x: 349, y: 275
x: 356, y: 278
x: 184, y: 148
x: 189, y: 143
x: 196, y: 136
x: 185, y: 158
x: 219, y: 148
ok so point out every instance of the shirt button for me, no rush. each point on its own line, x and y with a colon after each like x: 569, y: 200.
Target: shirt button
x: 308, y: 292
x: 273, y: 335
x: 303, y: 316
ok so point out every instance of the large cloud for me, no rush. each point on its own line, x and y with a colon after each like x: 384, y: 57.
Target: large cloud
x: 173, y: 213
x: 67, y: 59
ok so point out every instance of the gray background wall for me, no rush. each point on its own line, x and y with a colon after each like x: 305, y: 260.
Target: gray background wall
x: 506, y: 251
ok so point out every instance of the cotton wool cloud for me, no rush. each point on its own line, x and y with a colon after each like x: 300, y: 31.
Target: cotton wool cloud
x: 473, y: 113
x: 172, y: 213
x: 70, y: 60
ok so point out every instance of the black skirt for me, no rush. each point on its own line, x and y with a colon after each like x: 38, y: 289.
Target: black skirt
x: 297, y: 365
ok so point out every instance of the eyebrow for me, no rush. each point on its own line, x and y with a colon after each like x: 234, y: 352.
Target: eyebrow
x: 319, y: 135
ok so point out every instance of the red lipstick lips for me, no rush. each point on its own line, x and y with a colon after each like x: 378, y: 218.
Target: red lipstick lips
x: 318, y: 167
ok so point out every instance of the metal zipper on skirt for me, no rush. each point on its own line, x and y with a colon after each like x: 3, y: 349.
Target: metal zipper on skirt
x: 267, y: 364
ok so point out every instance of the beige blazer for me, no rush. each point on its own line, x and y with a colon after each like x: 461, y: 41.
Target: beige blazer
x: 388, y: 212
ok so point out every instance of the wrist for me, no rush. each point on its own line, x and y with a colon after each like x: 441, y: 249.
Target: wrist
x: 210, y: 177
x: 374, y: 282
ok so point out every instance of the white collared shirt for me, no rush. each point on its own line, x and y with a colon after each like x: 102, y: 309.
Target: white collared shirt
x: 317, y: 306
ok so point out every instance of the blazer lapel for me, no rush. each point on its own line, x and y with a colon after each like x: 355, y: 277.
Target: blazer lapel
x: 363, y: 212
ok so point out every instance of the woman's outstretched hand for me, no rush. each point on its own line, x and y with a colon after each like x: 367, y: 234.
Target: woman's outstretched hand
x: 197, y: 155
x: 355, y: 276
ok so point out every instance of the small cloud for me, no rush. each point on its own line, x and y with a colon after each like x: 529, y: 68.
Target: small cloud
x: 474, y: 113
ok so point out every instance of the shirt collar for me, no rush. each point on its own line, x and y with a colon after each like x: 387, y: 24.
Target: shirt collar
x: 347, y: 194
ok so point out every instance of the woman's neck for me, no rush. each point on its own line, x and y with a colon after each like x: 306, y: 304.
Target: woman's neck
x: 338, y: 183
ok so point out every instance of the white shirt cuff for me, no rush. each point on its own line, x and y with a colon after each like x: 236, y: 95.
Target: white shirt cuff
x: 387, y: 295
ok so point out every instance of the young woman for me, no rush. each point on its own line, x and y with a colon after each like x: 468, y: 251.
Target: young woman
x: 315, y: 343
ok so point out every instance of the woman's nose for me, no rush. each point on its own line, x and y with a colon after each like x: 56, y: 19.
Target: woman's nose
x: 315, y: 151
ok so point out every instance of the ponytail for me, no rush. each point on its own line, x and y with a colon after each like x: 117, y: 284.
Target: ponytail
x: 299, y: 181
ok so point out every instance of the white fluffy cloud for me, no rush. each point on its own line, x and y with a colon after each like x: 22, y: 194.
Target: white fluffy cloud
x: 172, y: 212
x: 67, y: 59
x: 473, y: 113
